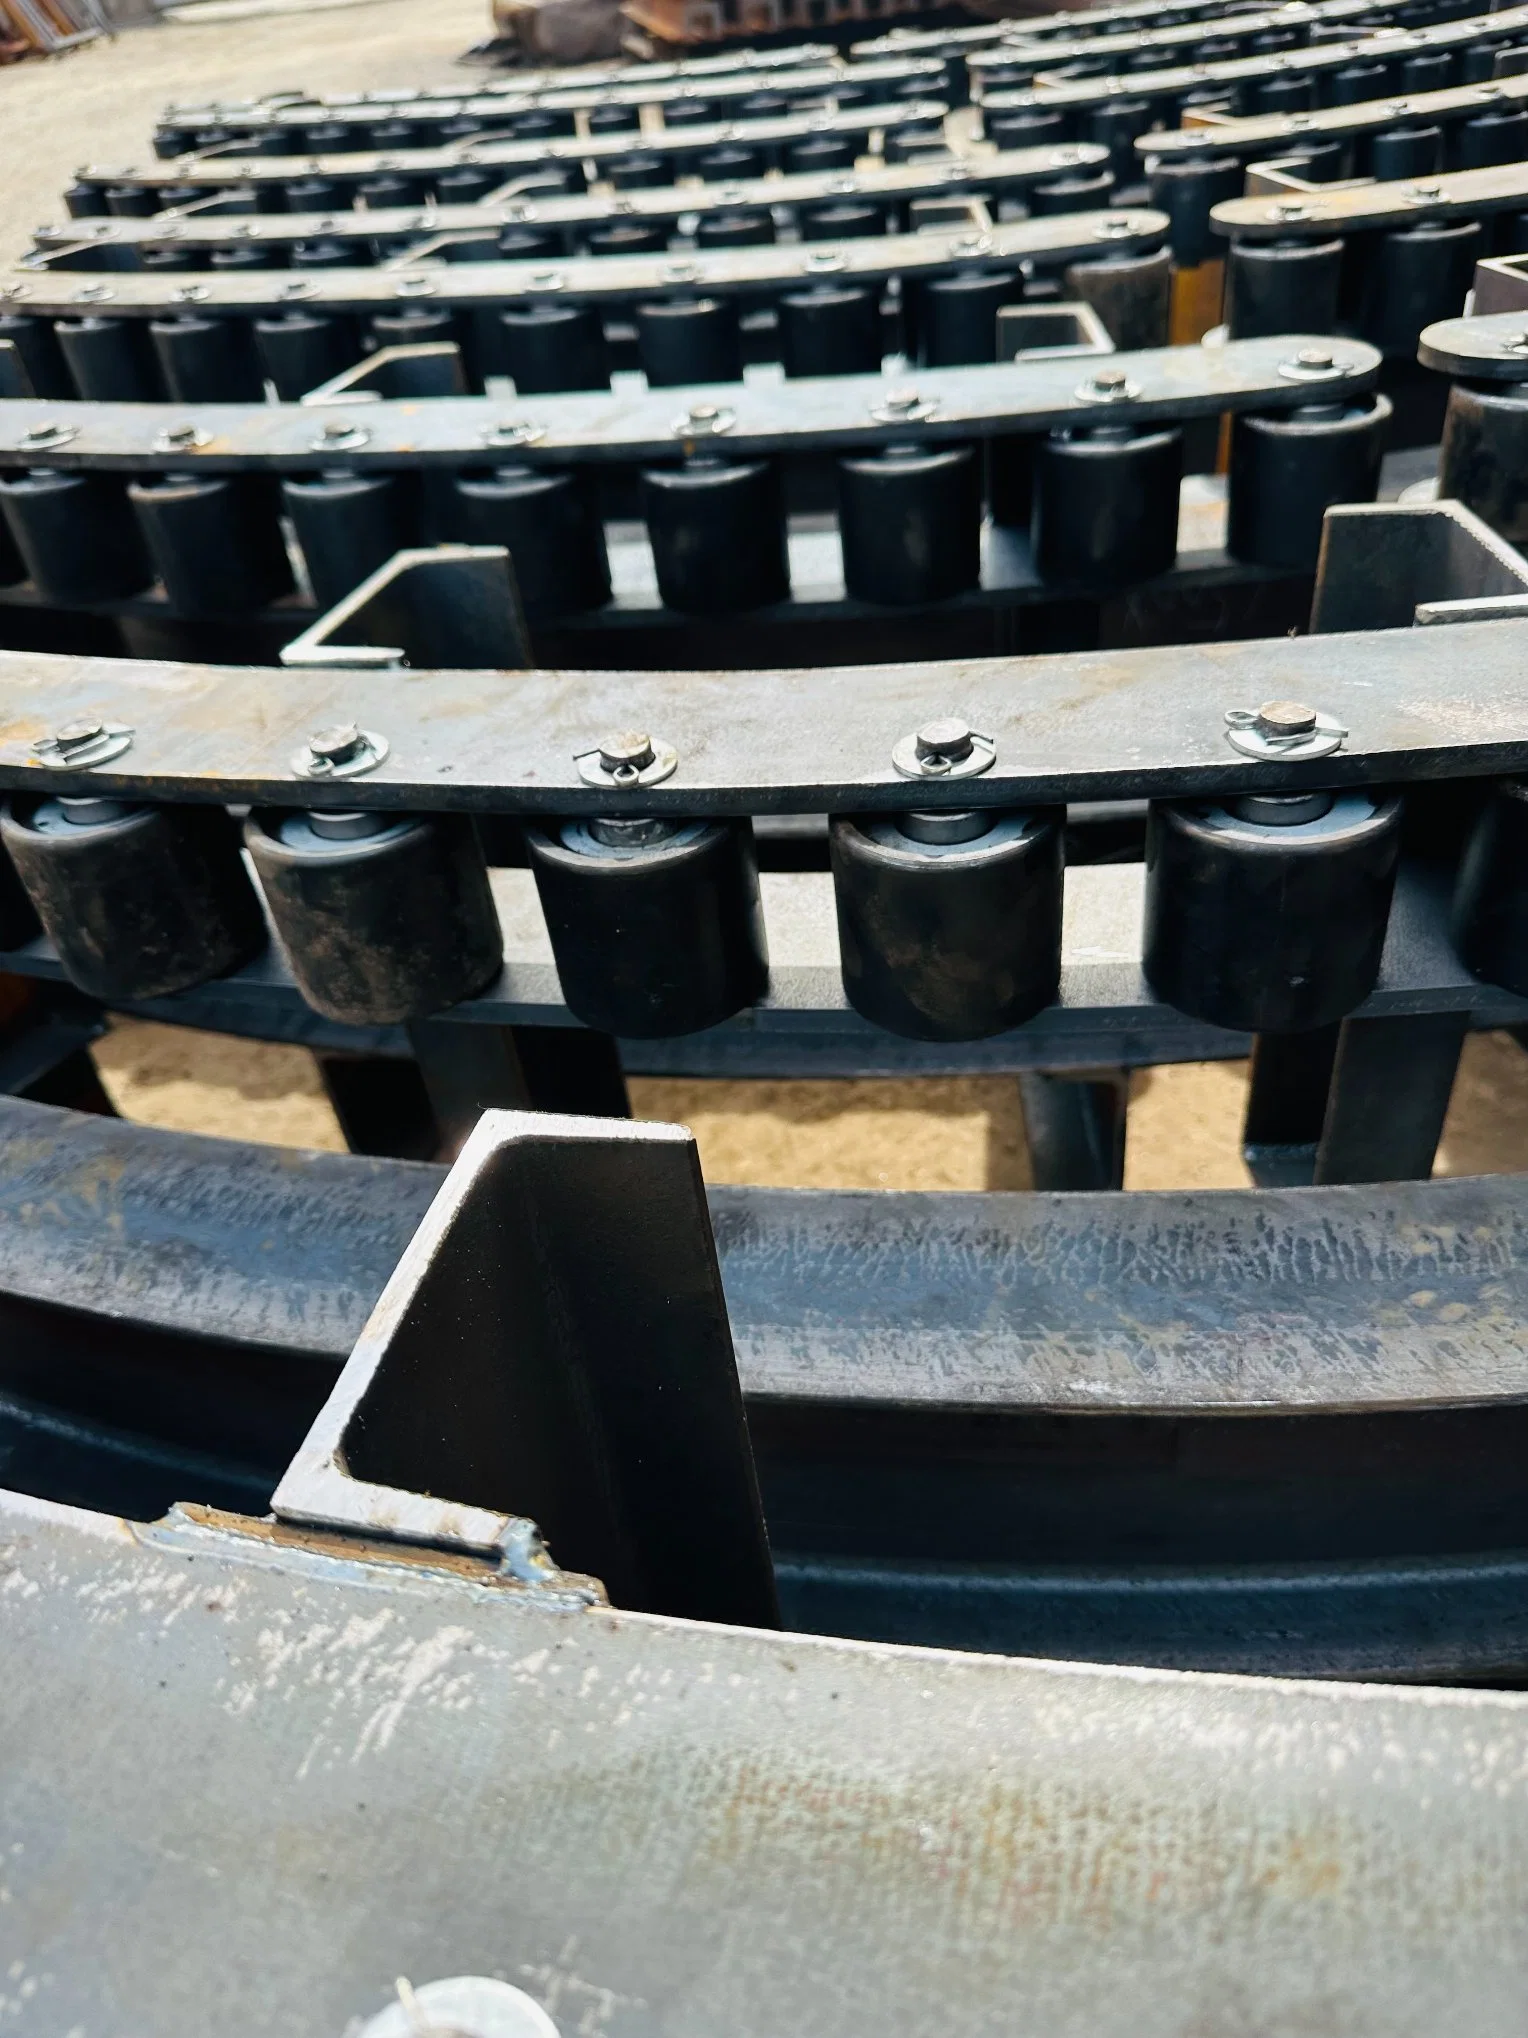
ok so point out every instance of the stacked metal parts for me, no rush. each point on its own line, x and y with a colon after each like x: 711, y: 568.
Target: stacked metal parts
x: 994, y: 553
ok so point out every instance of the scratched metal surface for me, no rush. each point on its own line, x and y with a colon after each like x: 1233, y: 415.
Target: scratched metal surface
x: 1407, y: 1294
x: 1078, y: 725
x: 244, y: 1789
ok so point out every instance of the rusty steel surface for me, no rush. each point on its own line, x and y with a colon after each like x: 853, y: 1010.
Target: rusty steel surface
x: 1405, y: 202
x: 186, y: 227
x: 249, y: 1783
x: 1240, y: 134
x: 1052, y: 240
x: 1417, y: 704
x: 1398, y: 1295
x: 610, y: 426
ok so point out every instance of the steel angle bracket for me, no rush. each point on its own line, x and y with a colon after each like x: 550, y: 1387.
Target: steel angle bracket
x: 553, y: 1348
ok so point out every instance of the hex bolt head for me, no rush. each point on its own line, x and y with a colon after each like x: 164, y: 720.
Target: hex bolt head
x: 1286, y: 718
x: 948, y: 738
x: 179, y: 435
x: 901, y: 402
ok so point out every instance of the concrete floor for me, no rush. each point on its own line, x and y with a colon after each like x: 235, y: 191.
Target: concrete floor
x: 99, y: 104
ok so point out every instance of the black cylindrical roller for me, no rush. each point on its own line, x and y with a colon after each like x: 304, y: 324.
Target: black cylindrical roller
x: 1072, y: 191
x: 549, y: 522
x: 36, y: 344
x: 921, y: 138
x: 1185, y: 187
x: 729, y: 163
x: 1478, y: 63
x: 131, y: 201
x: 12, y: 565
x: 417, y: 325
x: 819, y: 152
x: 542, y: 123
x: 1321, y: 162
x: 466, y: 184
x: 687, y: 112
x: 1288, y: 467
x: 384, y: 917
x: 139, y: 901
x: 386, y: 136
x: 689, y: 339
x: 1267, y: 914
x: 1036, y: 129
x: 957, y: 315
x: 462, y: 127
x: 300, y: 349
x: 949, y: 922
x: 334, y: 138
x: 614, y: 119
x: 849, y: 219
x: 327, y: 254
x: 764, y: 106
x: 1413, y: 278
x: 514, y: 243
x: 752, y: 227
x: 1277, y: 287
x: 77, y: 536
x: 1427, y: 71
x: 1490, y: 921
x: 627, y: 237
x: 1105, y: 509
x: 1131, y: 293
x: 347, y: 526
x: 550, y: 347
x: 717, y: 529
x: 639, y: 171
x: 1287, y: 92
x: 215, y: 540
x: 1405, y: 152
x: 1115, y: 125
x: 1484, y: 458
x: 111, y: 360
x: 316, y: 194
x: 1499, y: 136
x: 170, y: 142
x: 208, y: 360
x: 830, y: 329
x: 388, y: 191
x: 656, y: 925
x: 164, y: 261
x: 910, y: 518
x: 1364, y: 78
x: 237, y: 261
x: 85, y: 201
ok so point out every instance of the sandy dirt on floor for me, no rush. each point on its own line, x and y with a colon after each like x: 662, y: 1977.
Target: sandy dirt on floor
x: 929, y: 1133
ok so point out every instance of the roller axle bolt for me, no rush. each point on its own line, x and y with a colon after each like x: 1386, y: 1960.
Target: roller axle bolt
x: 626, y: 755
x: 1285, y: 718
x: 942, y: 743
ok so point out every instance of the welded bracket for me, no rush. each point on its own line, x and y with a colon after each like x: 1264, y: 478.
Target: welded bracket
x: 449, y: 606
x: 1386, y: 565
x: 553, y: 1348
